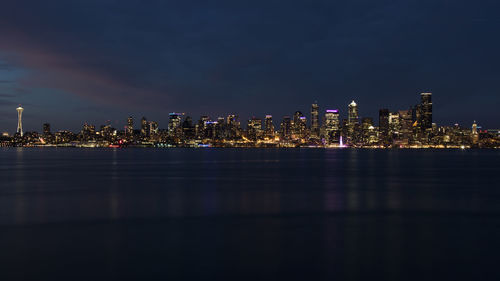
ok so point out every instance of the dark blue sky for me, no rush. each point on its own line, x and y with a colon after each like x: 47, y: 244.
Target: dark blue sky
x: 73, y: 61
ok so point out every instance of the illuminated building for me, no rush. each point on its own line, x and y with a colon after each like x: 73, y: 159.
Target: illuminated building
x: 353, y: 117
x: 353, y: 127
x: 426, y: 111
x: 129, y: 129
x: 315, y: 120
x: 188, y: 129
x: 254, y: 128
x: 144, y: 127
x: 88, y: 132
x: 234, y: 126
x: 221, y: 131
x: 105, y: 131
x: 394, y: 125
x: 201, y: 127
x: 268, y: 126
x: 406, y: 122
x: 366, y: 123
x: 286, y: 128
x: 331, y: 126
x: 474, y: 133
x: 20, y: 120
x: 174, y: 123
x: 153, y: 128
x: 299, y: 125
x: 383, y: 126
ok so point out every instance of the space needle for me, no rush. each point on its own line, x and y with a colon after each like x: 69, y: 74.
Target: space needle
x: 20, y: 120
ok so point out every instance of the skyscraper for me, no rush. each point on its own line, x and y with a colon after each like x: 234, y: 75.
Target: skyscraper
x: 286, y: 127
x: 19, y: 120
x: 353, y: 117
x: 254, y: 128
x: 366, y: 129
x: 188, y: 128
x: 130, y: 127
x: 144, y: 127
x: 426, y: 111
x: 331, y: 125
x: 394, y: 124
x: 315, y: 120
x: 474, y: 134
x: 268, y: 126
x: 299, y: 125
x: 406, y: 123
x: 174, y: 122
x: 383, y: 125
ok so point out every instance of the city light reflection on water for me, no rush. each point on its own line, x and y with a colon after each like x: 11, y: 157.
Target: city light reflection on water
x: 271, y: 213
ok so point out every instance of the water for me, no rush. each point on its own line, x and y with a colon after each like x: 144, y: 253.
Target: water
x: 249, y: 214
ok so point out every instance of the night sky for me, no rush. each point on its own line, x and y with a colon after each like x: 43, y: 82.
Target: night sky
x: 93, y: 61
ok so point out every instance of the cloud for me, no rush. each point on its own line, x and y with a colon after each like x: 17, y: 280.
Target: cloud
x: 251, y: 56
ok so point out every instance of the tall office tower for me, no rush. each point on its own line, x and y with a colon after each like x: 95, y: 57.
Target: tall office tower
x: 188, y: 128
x: 474, y: 135
x: 474, y: 128
x: 221, y: 128
x: 315, y: 120
x: 426, y: 111
x: 299, y: 125
x: 286, y: 128
x: 331, y: 125
x: 383, y: 125
x: 254, y: 128
x: 394, y: 124
x: 174, y: 123
x: 20, y: 120
x: 353, y: 117
x: 406, y: 124
x: 201, y: 127
x: 144, y: 127
x: 268, y: 126
x: 366, y: 123
x: 46, y: 129
x: 234, y: 126
x: 130, y: 127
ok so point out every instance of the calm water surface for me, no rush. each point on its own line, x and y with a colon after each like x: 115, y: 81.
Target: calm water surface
x: 249, y: 214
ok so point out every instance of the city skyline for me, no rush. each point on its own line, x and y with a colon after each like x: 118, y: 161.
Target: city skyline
x: 342, y: 114
x: 412, y: 127
x: 156, y: 57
